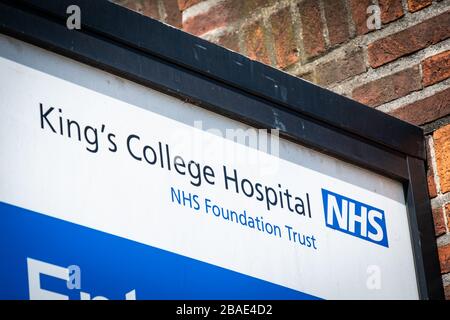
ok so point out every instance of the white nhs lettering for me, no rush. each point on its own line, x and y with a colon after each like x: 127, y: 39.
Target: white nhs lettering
x: 355, y: 218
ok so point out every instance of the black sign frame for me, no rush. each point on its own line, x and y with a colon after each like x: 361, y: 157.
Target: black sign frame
x: 158, y: 56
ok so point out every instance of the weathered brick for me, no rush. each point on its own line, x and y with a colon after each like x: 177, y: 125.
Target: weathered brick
x: 444, y: 258
x: 389, y: 87
x: 416, y: 5
x: 337, y: 24
x: 286, y: 52
x: 308, y: 75
x: 447, y: 214
x: 442, y: 154
x: 447, y: 292
x: 147, y: 8
x: 312, y: 28
x: 184, y: 4
x: 410, y: 40
x: 436, y: 68
x: 229, y: 40
x: 255, y: 44
x: 173, y: 13
x: 351, y: 64
x: 425, y: 110
x: 391, y: 10
x: 359, y: 15
x: 432, y: 190
x: 221, y: 15
x: 251, y: 5
x: 439, y: 222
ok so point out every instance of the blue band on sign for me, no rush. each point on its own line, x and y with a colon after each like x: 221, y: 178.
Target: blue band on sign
x: 101, y: 265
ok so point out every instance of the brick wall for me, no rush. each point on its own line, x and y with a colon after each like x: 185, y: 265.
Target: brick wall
x: 403, y: 68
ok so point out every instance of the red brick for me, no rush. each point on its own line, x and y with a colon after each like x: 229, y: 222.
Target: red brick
x: 416, y: 5
x: 229, y: 40
x: 184, y: 4
x: 336, y: 16
x: 391, y: 10
x: 388, y: 88
x: 351, y: 64
x: 286, y: 52
x: 255, y: 44
x: 312, y: 28
x: 359, y: 15
x: 442, y: 154
x: 439, y: 222
x: 432, y: 190
x: 444, y: 258
x: 436, y: 68
x: 425, y: 110
x: 409, y: 40
x: 173, y: 13
x: 447, y: 213
x: 221, y: 15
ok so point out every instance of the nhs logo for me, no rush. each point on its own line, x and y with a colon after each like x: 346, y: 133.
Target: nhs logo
x: 355, y: 218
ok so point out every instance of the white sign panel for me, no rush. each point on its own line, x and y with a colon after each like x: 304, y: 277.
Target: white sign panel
x: 149, y: 202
